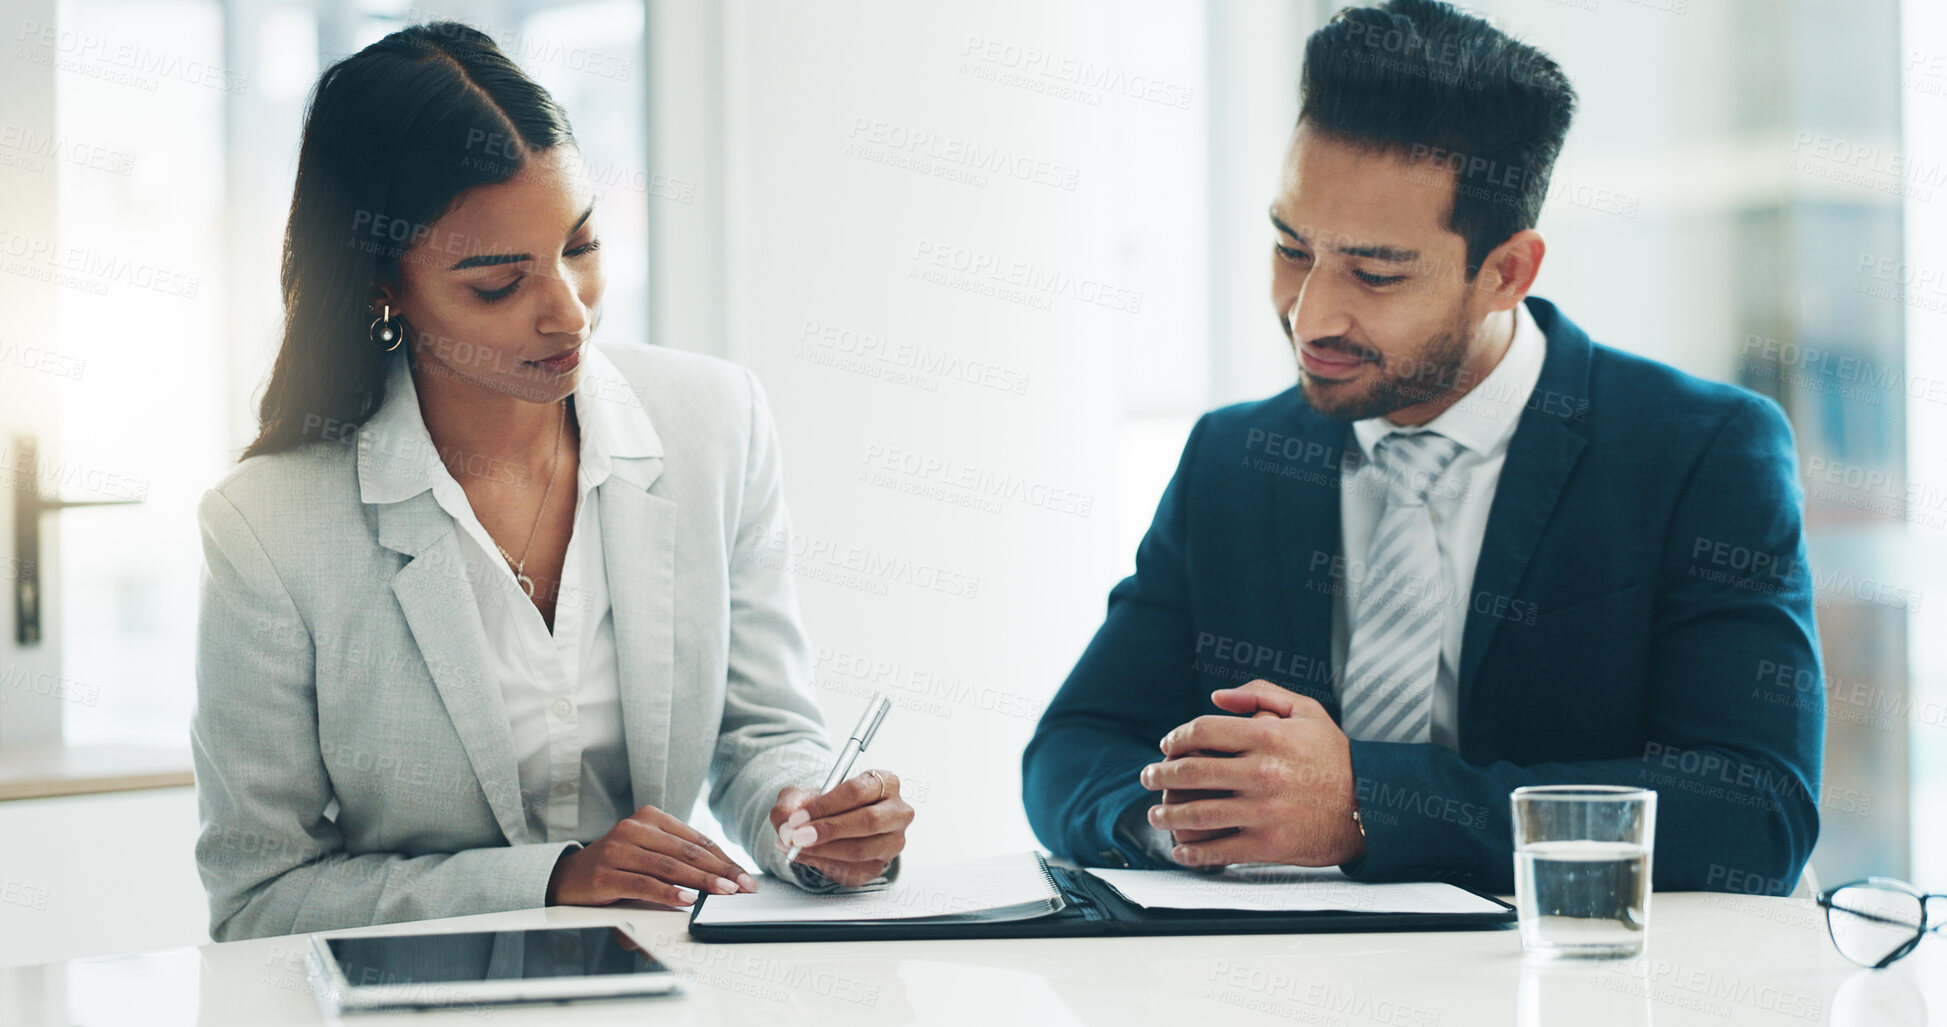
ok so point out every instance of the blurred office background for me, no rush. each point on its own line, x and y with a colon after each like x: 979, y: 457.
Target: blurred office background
x: 1754, y: 191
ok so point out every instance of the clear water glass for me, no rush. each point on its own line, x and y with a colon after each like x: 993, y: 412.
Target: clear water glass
x: 1582, y: 869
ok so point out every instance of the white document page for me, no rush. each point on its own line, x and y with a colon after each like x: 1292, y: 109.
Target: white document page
x: 1010, y: 887
x: 1268, y: 888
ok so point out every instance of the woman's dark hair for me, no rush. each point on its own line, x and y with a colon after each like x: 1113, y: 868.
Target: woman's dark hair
x: 1448, y: 90
x: 393, y: 135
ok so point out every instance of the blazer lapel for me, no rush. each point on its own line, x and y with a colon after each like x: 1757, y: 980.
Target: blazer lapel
x: 639, y: 555
x: 1544, y: 449
x: 440, y: 608
x: 1307, y: 498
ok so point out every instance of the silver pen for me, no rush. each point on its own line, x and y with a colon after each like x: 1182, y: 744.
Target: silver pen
x: 875, y: 713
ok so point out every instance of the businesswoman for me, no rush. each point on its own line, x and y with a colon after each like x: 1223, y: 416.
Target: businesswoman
x: 486, y: 607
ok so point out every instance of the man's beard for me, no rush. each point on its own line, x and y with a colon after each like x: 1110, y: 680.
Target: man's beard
x: 1433, y: 373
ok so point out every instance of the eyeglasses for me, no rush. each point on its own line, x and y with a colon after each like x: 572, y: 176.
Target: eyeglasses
x: 1878, y: 920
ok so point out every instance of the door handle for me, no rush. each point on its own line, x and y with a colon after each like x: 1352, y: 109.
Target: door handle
x: 29, y: 505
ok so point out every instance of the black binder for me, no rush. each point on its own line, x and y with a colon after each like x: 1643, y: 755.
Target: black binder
x: 1093, y: 909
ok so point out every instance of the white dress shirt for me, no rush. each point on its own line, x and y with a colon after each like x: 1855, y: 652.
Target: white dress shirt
x: 560, y: 687
x: 1482, y: 422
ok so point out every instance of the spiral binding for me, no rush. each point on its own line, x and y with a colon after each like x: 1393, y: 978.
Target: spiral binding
x: 1055, y: 891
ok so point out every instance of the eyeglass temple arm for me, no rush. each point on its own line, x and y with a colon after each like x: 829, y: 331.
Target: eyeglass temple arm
x: 1880, y: 919
x: 1826, y: 901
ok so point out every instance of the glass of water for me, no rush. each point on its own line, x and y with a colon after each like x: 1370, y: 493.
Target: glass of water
x: 1582, y: 869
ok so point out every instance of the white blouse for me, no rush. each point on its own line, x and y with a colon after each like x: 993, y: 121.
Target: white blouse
x: 560, y: 688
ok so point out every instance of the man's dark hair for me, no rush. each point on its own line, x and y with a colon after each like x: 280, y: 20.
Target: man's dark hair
x: 1448, y: 90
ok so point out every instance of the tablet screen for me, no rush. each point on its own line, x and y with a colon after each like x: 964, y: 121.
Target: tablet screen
x: 555, y: 952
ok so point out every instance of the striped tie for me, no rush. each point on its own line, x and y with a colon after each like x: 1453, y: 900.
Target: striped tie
x: 1400, y: 601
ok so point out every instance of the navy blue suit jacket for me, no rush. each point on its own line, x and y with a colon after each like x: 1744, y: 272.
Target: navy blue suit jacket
x: 1641, y: 614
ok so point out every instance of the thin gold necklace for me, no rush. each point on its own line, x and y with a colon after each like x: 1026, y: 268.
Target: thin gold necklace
x: 520, y: 565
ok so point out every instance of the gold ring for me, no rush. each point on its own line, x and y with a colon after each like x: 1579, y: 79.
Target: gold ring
x: 882, y: 785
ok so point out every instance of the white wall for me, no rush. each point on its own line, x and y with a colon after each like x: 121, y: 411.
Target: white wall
x: 1099, y: 216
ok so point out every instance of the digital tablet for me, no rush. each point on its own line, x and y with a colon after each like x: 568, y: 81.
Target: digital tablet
x: 371, y: 973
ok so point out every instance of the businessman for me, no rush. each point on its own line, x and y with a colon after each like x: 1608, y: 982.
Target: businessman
x: 1470, y: 550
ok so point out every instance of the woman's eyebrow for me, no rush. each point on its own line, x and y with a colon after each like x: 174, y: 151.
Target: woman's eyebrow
x: 493, y: 259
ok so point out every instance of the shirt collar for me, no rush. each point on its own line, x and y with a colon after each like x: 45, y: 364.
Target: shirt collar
x: 1485, y: 418
x: 397, y: 459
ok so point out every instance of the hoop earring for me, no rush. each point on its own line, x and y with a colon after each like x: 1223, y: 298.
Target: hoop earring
x: 386, y: 331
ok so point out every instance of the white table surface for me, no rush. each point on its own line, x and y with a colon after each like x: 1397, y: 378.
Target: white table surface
x: 1712, y: 959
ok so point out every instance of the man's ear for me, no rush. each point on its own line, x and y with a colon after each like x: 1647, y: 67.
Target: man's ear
x: 1510, y: 269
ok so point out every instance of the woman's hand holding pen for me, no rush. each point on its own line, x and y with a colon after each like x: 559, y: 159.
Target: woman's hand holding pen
x: 651, y: 856
x: 848, y: 834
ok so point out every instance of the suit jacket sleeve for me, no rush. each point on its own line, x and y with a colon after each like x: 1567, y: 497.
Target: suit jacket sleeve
x: 1737, y: 776
x: 270, y: 857
x: 772, y: 733
x: 1133, y: 683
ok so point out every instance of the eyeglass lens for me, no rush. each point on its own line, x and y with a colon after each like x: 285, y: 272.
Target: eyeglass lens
x: 1869, y: 923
